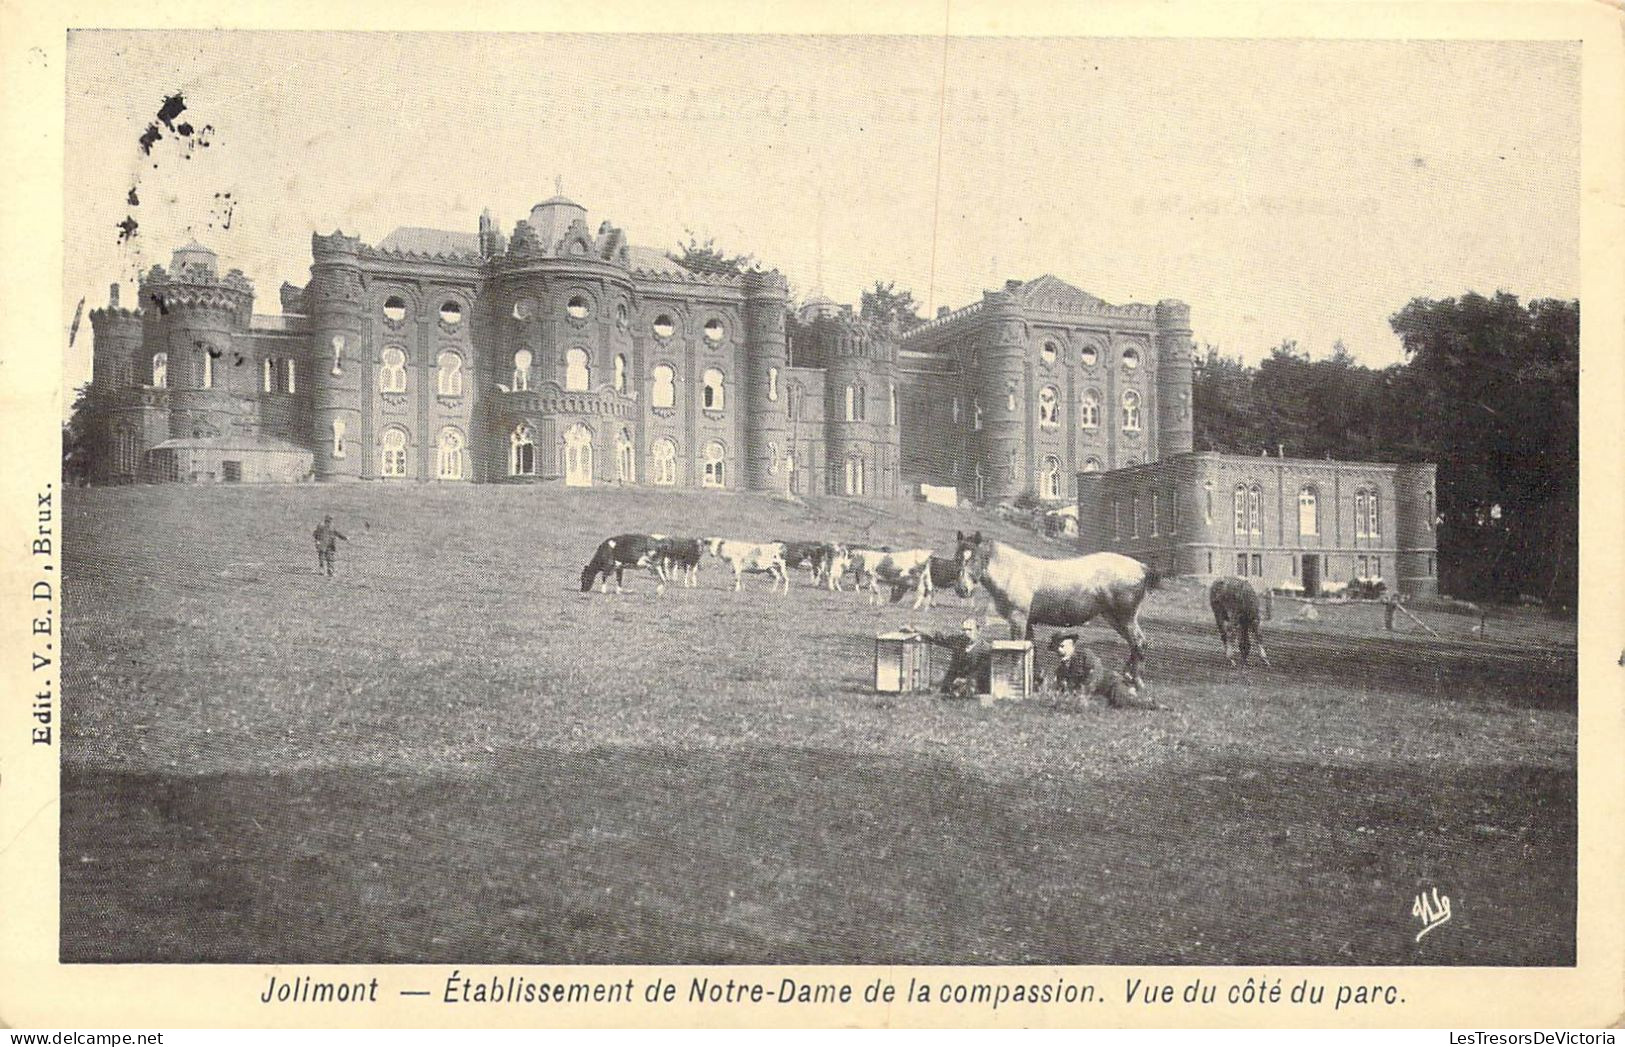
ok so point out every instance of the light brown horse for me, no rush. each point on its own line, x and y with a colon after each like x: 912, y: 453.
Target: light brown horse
x: 1031, y: 590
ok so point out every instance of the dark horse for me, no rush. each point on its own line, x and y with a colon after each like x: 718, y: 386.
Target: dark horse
x: 1235, y: 607
x: 1030, y: 590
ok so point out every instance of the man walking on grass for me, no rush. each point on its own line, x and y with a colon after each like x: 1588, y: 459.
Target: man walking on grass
x: 327, y: 545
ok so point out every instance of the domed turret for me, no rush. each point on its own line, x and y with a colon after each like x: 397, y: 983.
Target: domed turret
x: 552, y: 217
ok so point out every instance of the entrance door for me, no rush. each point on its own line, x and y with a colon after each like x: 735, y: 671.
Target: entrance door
x: 578, y: 456
x: 1311, y: 575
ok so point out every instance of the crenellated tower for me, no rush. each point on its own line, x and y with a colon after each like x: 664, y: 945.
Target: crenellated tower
x: 862, y: 447
x: 1174, y: 403
x: 194, y: 317
x: 338, y: 357
x: 766, y: 401
x: 999, y: 375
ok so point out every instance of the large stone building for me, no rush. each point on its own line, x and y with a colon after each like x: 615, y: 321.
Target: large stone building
x: 569, y: 355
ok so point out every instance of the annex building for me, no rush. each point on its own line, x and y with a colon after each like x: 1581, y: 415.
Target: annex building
x: 564, y: 354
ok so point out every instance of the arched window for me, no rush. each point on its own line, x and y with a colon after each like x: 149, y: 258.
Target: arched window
x: 713, y: 476
x: 711, y: 391
x: 1207, y: 510
x: 892, y: 401
x: 851, y: 403
x: 522, y: 448
x: 1052, y: 477
x: 575, y: 452
x: 1010, y: 396
x: 664, y: 393
x: 1089, y: 410
x: 577, y: 374
x: 268, y: 376
x: 1131, y: 411
x: 1049, y: 407
x: 1089, y: 355
x: 338, y: 438
x: 392, y: 370
x: 625, y: 463
x: 449, y: 460
x: 863, y: 404
x: 521, y: 370
x: 160, y: 370
x: 772, y: 383
x: 792, y: 408
x: 1091, y: 464
x: 208, y: 369
x: 449, y: 377
x: 1134, y: 517
x: 1373, y: 527
x: 1308, y: 511
x: 1255, y: 505
x: 1047, y: 353
x: 392, y: 453
x: 1156, y: 505
x: 1241, y: 508
x: 854, y: 475
x: 663, y: 462
x: 620, y: 372
x: 338, y: 354
x: 292, y: 383
x: 1131, y: 359
x: 956, y: 410
x: 976, y: 413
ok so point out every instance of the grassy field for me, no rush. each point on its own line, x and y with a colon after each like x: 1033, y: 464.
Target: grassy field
x: 450, y: 754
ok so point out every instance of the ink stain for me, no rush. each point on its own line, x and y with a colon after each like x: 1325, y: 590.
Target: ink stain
x: 183, y: 130
x: 149, y: 138
x: 132, y: 199
x: 174, y: 105
x: 127, y: 228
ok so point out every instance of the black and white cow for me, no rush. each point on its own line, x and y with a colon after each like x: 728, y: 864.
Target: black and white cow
x: 679, y: 554
x: 615, y: 555
x: 751, y: 558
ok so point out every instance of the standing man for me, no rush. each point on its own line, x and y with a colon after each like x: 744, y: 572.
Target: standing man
x: 1081, y: 670
x: 970, y: 669
x: 327, y: 545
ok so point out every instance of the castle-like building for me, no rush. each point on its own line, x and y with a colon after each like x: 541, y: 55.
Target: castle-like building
x: 564, y: 354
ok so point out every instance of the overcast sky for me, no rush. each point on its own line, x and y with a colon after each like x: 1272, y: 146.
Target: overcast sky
x: 1285, y: 189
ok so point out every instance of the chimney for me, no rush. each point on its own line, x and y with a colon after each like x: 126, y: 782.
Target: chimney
x: 112, y: 296
x: 1011, y: 285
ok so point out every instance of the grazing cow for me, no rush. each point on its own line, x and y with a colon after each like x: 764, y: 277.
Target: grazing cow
x: 751, y: 558
x: 902, y: 570
x: 615, y: 555
x: 825, y: 560
x: 1235, y: 609
x: 944, y: 578
x: 1032, y: 590
x: 674, y: 554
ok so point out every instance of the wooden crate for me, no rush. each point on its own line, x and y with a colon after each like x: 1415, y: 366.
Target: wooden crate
x: 902, y: 662
x: 1012, y: 676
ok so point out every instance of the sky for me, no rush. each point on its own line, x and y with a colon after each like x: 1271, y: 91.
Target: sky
x: 1286, y: 189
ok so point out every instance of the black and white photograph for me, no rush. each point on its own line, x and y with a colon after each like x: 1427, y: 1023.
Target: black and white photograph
x: 539, y: 499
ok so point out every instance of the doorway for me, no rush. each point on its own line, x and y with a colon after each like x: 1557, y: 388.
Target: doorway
x: 1311, y: 574
x: 578, y: 456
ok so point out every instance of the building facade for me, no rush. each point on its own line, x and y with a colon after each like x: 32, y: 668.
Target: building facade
x: 565, y: 354
x: 1283, y: 523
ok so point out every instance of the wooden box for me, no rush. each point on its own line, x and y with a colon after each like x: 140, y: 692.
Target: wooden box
x: 1012, y: 676
x: 902, y: 662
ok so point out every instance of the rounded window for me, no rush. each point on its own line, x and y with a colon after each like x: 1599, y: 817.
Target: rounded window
x: 524, y: 309
x: 663, y: 326
x: 451, y: 314
x: 395, y: 308
x: 713, y: 330
x: 1089, y: 356
x: 620, y: 314
x: 577, y: 307
x: 1131, y: 359
x: 1048, y: 353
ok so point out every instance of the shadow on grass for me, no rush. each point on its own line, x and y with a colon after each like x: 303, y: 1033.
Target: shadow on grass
x: 784, y: 855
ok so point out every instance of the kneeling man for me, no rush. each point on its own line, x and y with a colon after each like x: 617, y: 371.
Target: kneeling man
x: 1081, y: 670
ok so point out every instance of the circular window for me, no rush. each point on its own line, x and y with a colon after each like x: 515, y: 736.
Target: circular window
x: 1047, y: 353
x: 713, y: 330
x: 451, y: 313
x: 395, y: 308
x: 524, y: 309
x: 663, y: 327
x: 1089, y: 356
x: 577, y: 308
x: 1131, y: 359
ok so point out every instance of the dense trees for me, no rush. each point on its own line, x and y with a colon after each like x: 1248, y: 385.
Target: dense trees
x: 887, y: 305
x: 1489, y: 391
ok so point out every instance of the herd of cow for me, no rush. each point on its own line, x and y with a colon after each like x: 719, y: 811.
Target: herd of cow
x: 1026, y: 590
x: 830, y: 564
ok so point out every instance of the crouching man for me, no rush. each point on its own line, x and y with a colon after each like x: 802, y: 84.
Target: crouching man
x: 1081, y: 671
x: 970, y: 667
